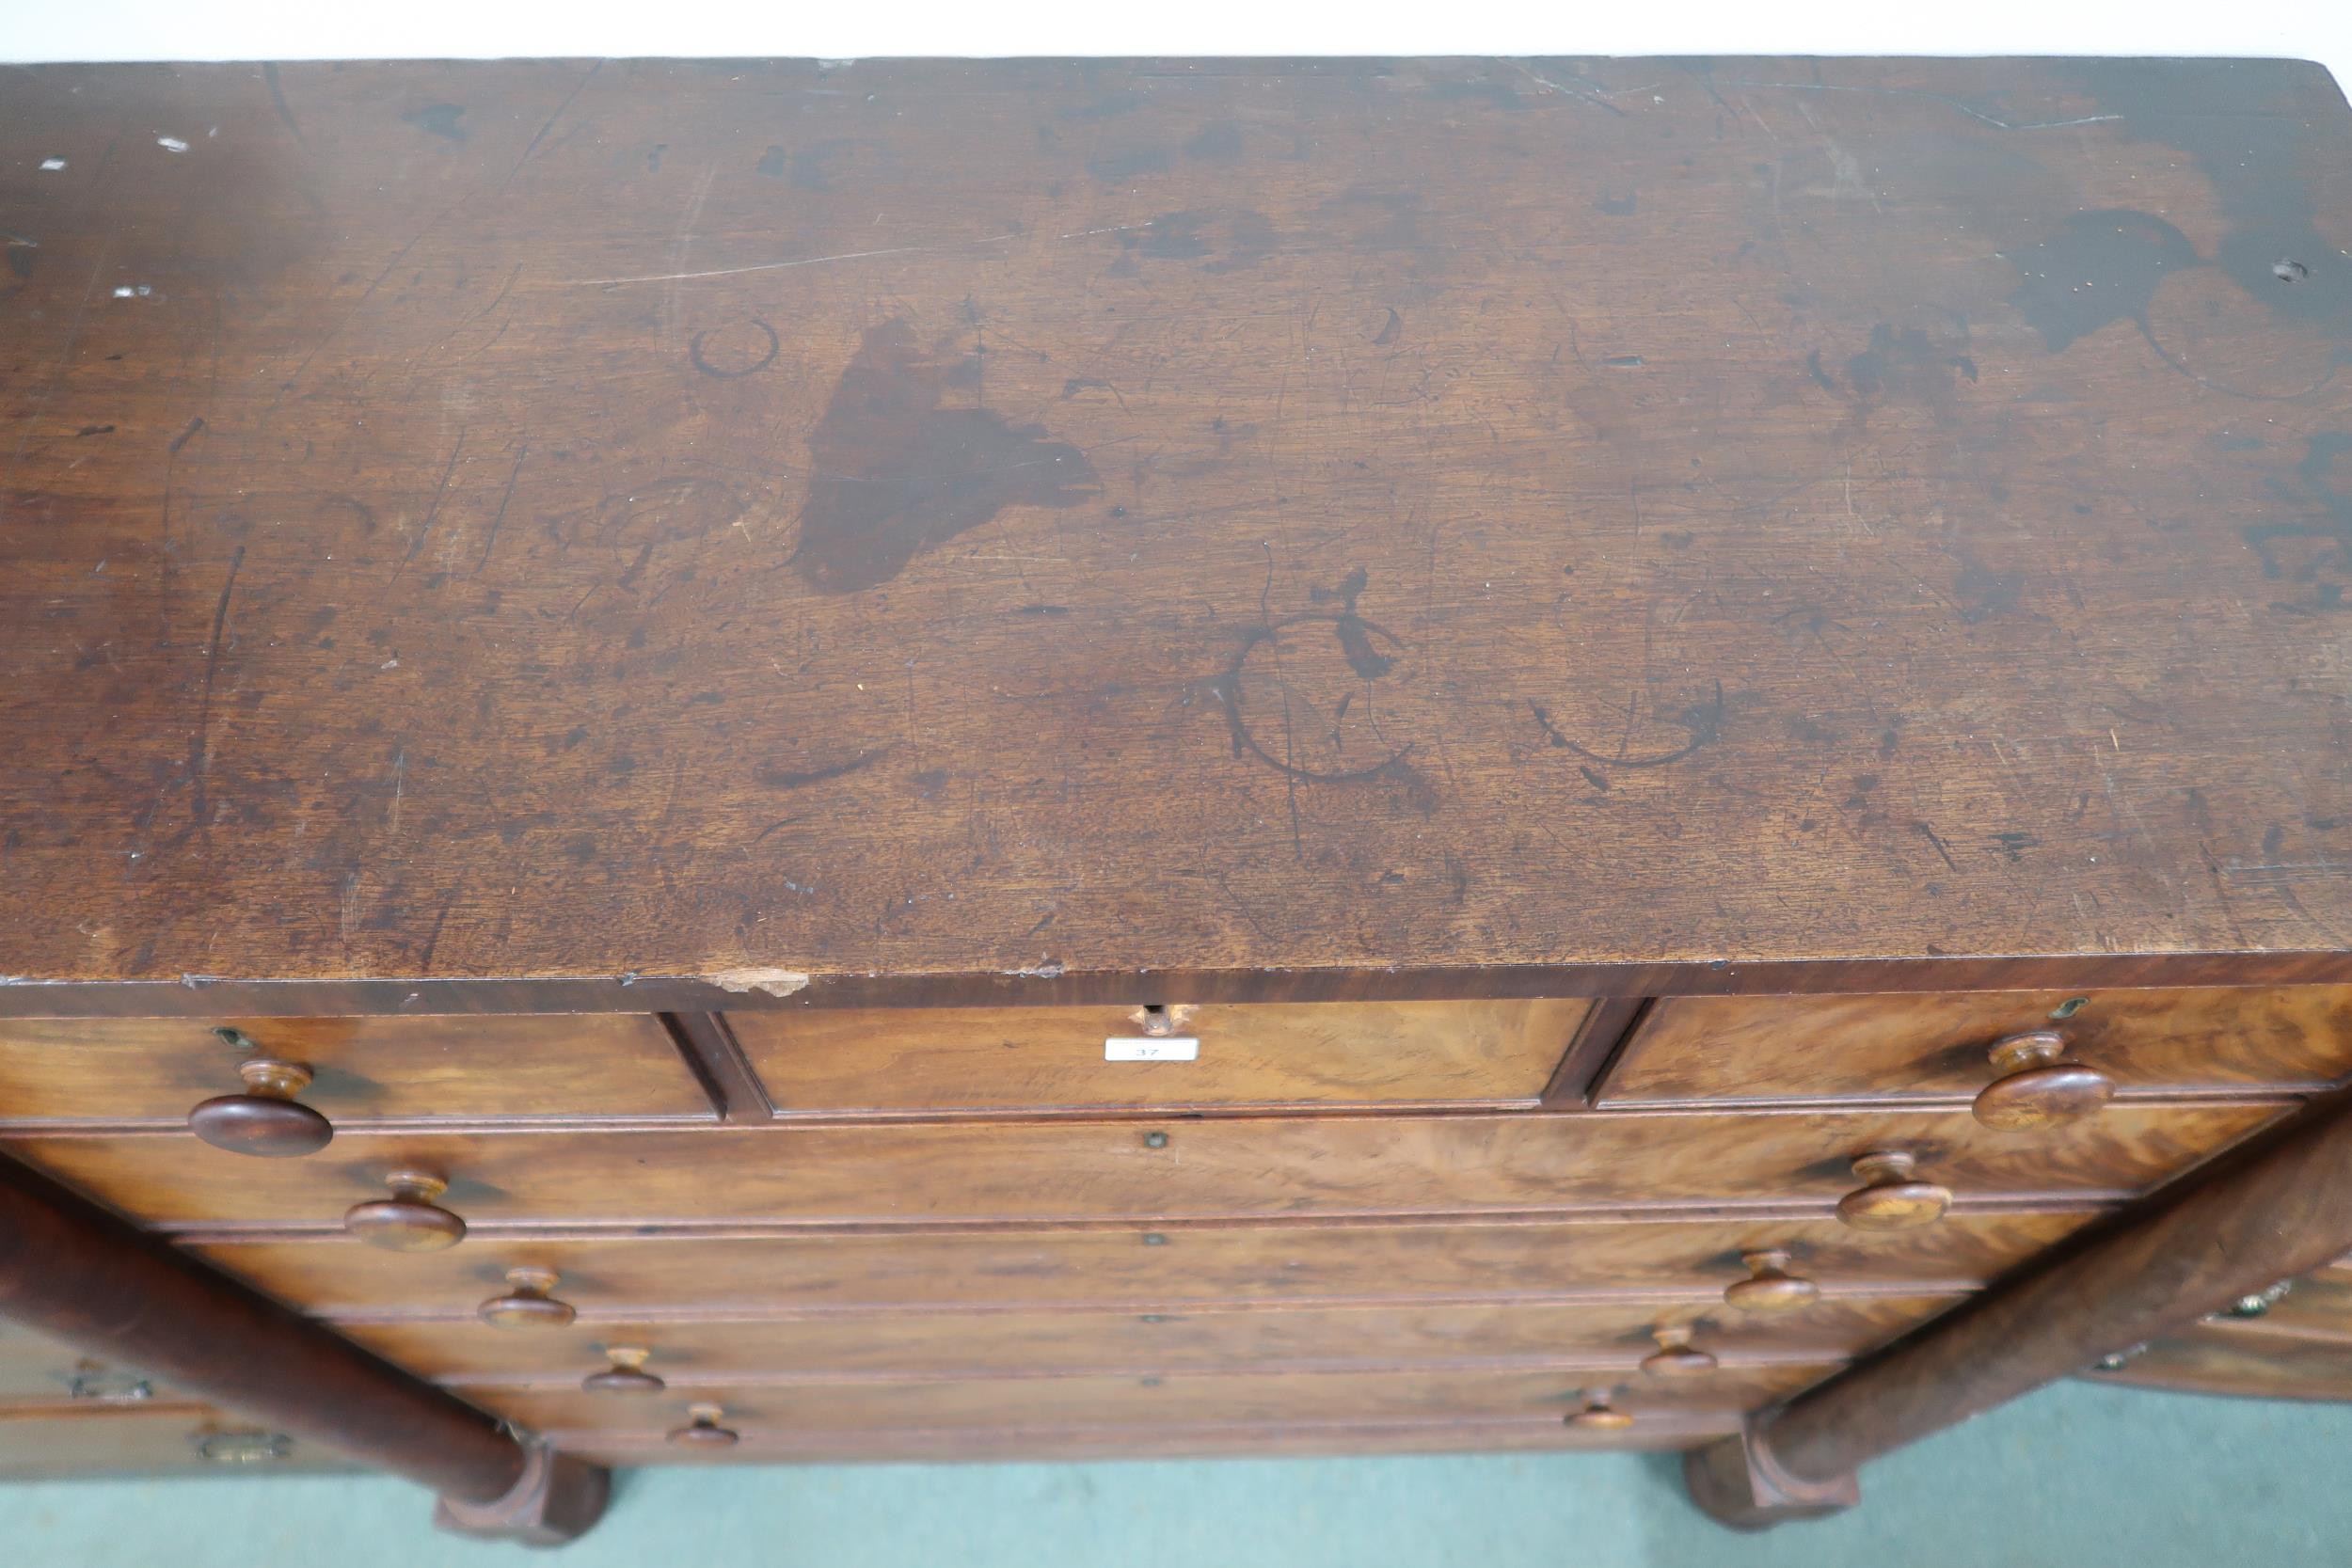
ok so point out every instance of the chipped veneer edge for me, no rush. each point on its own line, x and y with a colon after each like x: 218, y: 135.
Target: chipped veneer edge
x: 771, y: 982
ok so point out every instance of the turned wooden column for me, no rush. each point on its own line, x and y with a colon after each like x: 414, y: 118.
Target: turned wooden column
x: 2274, y: 1209
x: 77, y: 1273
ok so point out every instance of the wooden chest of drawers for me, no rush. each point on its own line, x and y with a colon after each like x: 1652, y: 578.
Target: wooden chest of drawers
x: 928, y: 759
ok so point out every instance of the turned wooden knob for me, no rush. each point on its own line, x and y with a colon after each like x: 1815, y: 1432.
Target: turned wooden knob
x: 1769, y: 1287
x: 1888, y: 1199
x: 267, y: 1119
x: 1675, y: 1356
x: 1598, y: 1414
x: 702, y: 1430
x: 410, y: 1220
x: 2038, y: 1086
x: 528, y: 1305
x: 626, y: 1375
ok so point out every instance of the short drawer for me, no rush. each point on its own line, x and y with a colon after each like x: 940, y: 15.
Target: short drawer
x: 890, y: 1059
x: 1140, y: 1170
x: 385, y: 1069
x: 1181, y: 1397
x: 1606, y: 1334
x: 1939, y: 1045
x: 1140, y: 1266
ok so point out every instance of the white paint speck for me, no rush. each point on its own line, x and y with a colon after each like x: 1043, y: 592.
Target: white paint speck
x: 51, y: 166
x: 171, y: 144
x: 132, y: 290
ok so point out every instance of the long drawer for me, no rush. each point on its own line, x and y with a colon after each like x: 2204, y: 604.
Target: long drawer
x: 909, y: 1059
x: 1939, y: 1045
x: 1128, y: 1170
x: 401, y: 1068
x: 35, y: 1368
x: 1131, y: 1400
x: 1603, y: 1334
x: 2245, y: 1359
x: 762, y: 1443
x: 1140, y: 1267
x: 147, y: 1440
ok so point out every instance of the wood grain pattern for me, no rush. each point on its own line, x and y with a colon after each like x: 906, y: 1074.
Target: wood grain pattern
x: 706, y: 1347
x: 1258, y: 515
x: 1143, y: 1268
x: 1140, y: 1170
x: 366, y: 1069
x: 1007, y: 1058
x: 1753, y: 1048
x: 1175, y: 1397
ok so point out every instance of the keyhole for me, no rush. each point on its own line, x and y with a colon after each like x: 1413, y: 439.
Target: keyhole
x: 1156, y: 1023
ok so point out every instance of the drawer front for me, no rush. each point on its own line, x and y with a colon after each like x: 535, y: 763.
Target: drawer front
x: 363, y: 1069
x: 851, y: 1406
x: 2240, y: 1358
x: 1759, y: 1048
x: 764, y: 1444
x: 1605, y: 1336
x: 150, y: 1440
x: 1134, y: 1266
x: 2318, y: 1304
x: 895, y: 1059
x: 1139, y: 1170
x: 38, y: 1369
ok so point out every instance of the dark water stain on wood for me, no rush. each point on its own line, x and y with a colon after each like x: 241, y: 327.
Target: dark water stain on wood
x: 2099, y: 268
x: 1899, y: 366
x: 1354, y: 632
x: 1224, y: 239
x: 785, y: 778
x: 2245, y: 125
x: 438, y: 119
x: 2314, y: 549
x: 1218, y: 142
x: 1701, y: 720
x: 893, y: 473
x: 736, y: 350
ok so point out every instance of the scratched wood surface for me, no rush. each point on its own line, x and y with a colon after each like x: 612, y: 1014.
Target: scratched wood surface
x: 536, y: 519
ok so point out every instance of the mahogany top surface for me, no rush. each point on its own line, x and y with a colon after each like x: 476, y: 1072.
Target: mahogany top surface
x: 535, y: 519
